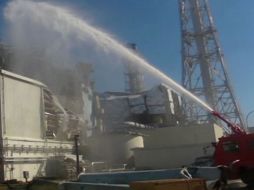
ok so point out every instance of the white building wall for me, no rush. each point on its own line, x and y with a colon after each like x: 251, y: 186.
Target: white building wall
x: 179, y: 136
x: 113, y: 148
x: 24, y: 146
x: 21, y: 109
x: 175, y: 146
x: 167, y: 157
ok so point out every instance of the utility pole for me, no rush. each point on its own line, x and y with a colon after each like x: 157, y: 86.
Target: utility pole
x: 204, y: 71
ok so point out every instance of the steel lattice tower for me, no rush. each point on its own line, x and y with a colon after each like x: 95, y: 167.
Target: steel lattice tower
x: 204, y: 71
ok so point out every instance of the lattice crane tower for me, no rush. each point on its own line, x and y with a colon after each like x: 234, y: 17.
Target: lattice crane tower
x: 204, y: 71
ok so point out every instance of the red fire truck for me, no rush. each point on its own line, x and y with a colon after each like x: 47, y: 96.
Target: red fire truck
x: 238, y: 146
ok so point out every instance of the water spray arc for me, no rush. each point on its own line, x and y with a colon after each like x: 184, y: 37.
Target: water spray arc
x: 68, y: 25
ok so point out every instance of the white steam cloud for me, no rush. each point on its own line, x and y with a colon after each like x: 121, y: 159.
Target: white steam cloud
x: 49, y: 38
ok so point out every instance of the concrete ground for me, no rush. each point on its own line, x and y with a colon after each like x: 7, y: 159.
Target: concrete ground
x: 232, y: 185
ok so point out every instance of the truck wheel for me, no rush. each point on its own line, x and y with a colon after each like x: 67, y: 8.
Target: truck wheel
x: 247, y: 176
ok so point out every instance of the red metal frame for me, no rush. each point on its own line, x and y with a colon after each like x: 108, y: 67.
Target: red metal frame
x: 234, y: 127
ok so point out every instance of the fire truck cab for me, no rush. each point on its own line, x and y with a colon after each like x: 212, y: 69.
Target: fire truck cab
x: 237, y: 147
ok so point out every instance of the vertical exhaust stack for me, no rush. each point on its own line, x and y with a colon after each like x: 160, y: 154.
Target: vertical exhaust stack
x: 134, y: 78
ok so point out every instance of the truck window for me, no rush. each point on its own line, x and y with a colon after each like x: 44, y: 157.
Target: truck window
x: 231, y: 146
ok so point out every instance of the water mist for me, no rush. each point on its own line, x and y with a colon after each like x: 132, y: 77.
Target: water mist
x: 67, y: 33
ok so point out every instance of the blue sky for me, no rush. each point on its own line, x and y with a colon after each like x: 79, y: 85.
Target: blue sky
x: 154, y: 26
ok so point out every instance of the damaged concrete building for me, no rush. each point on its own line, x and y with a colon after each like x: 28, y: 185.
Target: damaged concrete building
x: 146, y: 131
x: 39, y: 118
x: 158, y: 107
x: 116, y: 128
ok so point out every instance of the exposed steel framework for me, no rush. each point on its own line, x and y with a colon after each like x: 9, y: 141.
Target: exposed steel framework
x: 204, y: 71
